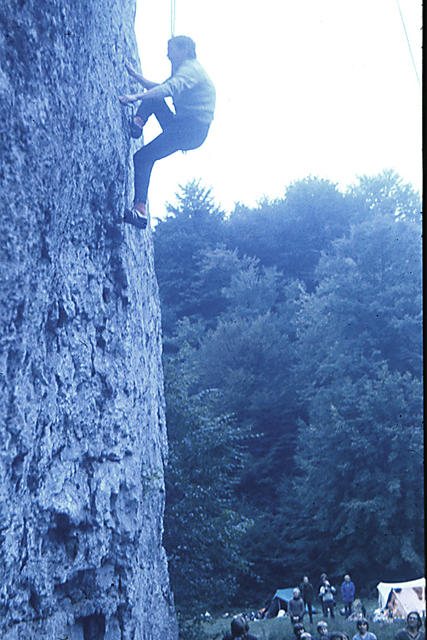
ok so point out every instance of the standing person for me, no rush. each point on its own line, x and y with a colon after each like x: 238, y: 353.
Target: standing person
x: 323, y: 578
x: 348, y: 591
x: 307, y: 594
x: 193, y: 95
x: 363, y: 632
x: 412, y: 631
x: 239, y: 629
x: 327, y: 597
x: 296, y: 607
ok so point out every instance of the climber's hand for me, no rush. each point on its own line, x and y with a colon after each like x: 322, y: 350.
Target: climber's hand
x: 128, y: 99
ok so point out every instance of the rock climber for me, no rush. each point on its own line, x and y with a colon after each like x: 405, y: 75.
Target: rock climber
x: 193, y: 95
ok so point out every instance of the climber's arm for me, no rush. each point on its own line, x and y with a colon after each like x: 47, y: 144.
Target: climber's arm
x: 185, y: 78
x: 131, y: 97
x: 157, y: 91
x: 147, y: 84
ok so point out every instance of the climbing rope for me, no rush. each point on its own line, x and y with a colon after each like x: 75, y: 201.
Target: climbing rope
x: 173, y: 8
x: 409, y: 44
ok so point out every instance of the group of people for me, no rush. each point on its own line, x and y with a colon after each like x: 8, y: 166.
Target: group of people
x: 323, y: 633
x: 412, y: 631
x: 303, y: 598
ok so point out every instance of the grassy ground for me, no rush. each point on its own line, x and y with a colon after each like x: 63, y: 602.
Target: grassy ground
x: 281, y: 628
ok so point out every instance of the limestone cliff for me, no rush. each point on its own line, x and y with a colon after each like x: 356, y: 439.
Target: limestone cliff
x: 82, y: 431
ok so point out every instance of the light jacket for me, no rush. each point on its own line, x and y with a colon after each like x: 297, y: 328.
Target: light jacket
x: 192, y: 91
x: 347, y: 591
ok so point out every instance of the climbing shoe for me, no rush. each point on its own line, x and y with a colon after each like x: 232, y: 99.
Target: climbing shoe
x: 136, y: 127
x: 136, y: 217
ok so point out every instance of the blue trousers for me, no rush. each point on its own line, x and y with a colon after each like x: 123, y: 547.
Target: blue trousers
x: 178, y: 134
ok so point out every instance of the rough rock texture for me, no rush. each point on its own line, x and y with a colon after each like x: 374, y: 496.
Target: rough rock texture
x: 82, y: 431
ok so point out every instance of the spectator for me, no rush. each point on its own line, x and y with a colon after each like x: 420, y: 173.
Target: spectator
x: 306, y: 636
x: 307, y: 594
x: 347, y: 593
x: 322, y: 630
x: 326, y: 595
x: 239, y: 629
x: 359, y: 610
x: 412, y: 630
x: 298, y: 630
x: 363, y: 632
x: 296, y: 607
x: 323, y: 579
x: 339, y: 635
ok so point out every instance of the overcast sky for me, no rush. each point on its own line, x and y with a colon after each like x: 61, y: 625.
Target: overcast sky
x: 315, y: 87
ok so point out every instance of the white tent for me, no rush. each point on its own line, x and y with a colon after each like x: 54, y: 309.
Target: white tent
x: 402, y: 597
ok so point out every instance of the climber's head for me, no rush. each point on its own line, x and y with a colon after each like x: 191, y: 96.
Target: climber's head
x: 181, y: 48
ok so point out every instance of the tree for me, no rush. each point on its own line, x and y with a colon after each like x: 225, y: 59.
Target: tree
x: 248, y: 356
x: 367, y: 307
x: 202, y: 527
x: 192, y: 227
x: 290, y: 233
x: 358, y: 459
x: 359, y: 484
x: 215, y: 270
x: 387, y: 195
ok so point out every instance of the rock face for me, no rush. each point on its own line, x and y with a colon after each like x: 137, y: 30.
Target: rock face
x: 82, y: 430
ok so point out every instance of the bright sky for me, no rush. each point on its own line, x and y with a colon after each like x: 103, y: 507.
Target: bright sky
x: 304, y: 87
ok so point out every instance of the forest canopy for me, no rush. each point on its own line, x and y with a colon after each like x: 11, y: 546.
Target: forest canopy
x: 293, y: 364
